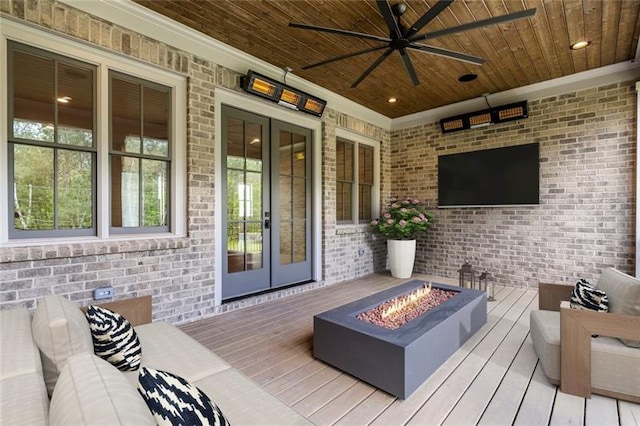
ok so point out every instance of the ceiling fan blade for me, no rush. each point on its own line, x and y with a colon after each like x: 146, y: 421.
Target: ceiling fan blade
x: 349, y: 55
x: 387, y: 14
x: 471, y: 25
x: 447, y: 53
x: 406, y: 60
x: 427, y: 17
x: 339, y: 32
x: 378, y: 61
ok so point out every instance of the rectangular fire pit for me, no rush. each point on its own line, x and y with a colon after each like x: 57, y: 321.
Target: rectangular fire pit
x: 397, y: 361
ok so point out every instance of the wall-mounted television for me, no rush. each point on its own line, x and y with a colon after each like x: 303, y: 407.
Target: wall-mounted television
x: 506, y: 176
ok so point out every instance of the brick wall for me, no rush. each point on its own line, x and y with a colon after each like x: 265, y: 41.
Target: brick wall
x: 178, y: 272
x: 585, y: 220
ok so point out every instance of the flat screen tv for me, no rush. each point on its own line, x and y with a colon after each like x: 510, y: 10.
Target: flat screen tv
x: 492, y: 177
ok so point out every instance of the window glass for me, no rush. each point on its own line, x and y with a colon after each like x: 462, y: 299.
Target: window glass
x: 51, y: 144
x: 140, y: 161
x: 354, y: 181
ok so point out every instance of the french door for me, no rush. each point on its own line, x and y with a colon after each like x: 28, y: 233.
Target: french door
x: 266, y: 203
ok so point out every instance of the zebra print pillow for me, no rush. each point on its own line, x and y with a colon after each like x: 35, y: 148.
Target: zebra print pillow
x: 174, y: 401
x: 586, y: 296
x: 114, y: 338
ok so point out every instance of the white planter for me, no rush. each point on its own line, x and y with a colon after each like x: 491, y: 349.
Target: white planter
x: 402, y: 253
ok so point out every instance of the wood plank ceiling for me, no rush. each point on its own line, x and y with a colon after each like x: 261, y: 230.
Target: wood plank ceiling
x: 517, y: 53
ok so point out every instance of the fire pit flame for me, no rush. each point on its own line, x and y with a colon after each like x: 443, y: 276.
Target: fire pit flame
x: 407, y: 302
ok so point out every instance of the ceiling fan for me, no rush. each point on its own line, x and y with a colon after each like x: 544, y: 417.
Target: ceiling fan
x: 402, y: 38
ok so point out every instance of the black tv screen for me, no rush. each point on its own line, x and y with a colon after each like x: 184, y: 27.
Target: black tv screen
x: 490, y: 177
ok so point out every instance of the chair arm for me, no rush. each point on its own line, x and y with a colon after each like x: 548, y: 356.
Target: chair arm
x: 136, y: 310
x: 550, y: 295
x: 576, y: 328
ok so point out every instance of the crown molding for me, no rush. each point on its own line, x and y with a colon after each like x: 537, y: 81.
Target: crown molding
x: 610, y: 74
x: 144, y: 21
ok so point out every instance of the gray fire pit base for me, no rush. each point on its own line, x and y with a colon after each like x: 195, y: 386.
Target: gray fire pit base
x: 397, y: 361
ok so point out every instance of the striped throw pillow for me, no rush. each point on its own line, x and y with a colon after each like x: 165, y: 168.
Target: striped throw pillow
x: 174, y: 401
x: 586, y: 296
x: 114, y: 338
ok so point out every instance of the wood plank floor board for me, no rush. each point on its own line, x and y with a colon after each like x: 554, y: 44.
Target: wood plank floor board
x: 478, y: 395
x: 370, y: 408
x: 537, y: 404
x: 629, y: 413
x: 601, y: 411
x: 313, y: 402
x: 567, y: 410
x: 308, y: 385
x: 342, y: 404
x: 503, y: 408
x: 444, y: 400
x: 493, y: 379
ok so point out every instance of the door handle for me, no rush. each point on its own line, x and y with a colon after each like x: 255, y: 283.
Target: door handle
x: 267, y: 224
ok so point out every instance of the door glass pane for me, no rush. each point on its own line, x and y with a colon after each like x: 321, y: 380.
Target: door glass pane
x: 299, y: 198
x: 253, y: 245
x: 286, y: 239
x: 254, y: 146
x: 253, y: 196
x: 235, y: 143
x: 125, y: 191
x: 33, y: 97
x: 299, y: 241
x: 75, y: 199
x: 75, y: 105
x: 286, y: 197
x: 235, y: 189
x: 299, y: 155
x: 125, y: 116
x: 235, y: 247
x: 34, y: 195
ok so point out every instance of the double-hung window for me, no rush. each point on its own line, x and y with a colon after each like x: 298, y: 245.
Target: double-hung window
x: 91, y: 150
x: 356, y: 180
x: 51, y: 144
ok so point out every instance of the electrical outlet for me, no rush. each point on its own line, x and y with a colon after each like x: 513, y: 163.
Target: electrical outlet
x: 103, y: 293
x: 361, y: 252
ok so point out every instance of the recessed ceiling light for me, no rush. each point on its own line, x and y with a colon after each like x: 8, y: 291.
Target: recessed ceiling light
x: 64, y: 99
x: 465, y: 78
x: 392, y: 100
x: 580, y: 44
x: 254, y: 141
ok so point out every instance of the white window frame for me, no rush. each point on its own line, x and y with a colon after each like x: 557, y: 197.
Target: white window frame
x: 358, y: 139
x: 104, y: 61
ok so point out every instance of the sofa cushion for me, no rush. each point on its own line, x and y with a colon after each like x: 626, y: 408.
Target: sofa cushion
x: 174, y: 401
x: 231, y: 390
x: 60, y: 330
x: 167, y: 348
x: 114, y: 338
x: 23, y: 400
x: 20, y: 355
x: 90, y: 391
x: 624, y: 295
x: 614, y: 366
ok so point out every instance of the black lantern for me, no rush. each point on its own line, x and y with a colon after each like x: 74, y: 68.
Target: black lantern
x: 486, y: 280
x: 467, y: 275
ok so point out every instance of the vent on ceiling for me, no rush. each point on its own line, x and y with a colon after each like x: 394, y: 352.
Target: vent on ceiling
x: 485, y: 117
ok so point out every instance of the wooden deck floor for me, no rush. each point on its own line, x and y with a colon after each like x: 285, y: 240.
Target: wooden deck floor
x: 493, y: 379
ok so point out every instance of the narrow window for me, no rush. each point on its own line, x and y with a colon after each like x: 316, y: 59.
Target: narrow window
x: 365, y: 182
x: 51, y: 144
x: 344, y: 181
x: 140, y: 155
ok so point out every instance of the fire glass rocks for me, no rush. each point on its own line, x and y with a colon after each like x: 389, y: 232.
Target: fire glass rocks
x: 397, y: 361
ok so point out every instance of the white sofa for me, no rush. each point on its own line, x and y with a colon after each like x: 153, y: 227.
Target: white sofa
x: 24, y: 398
